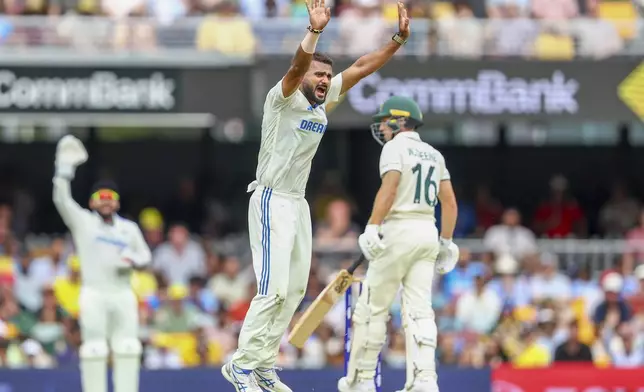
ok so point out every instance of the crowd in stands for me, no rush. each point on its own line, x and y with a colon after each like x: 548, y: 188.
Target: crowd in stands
x: 511, y: 303
x: 545, y: 29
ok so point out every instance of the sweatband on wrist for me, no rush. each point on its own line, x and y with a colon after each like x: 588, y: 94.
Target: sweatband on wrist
x: 309, y: 42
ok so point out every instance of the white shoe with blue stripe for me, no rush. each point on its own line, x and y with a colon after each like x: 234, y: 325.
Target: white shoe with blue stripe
x: 269, y: 381
x: 242, y: 380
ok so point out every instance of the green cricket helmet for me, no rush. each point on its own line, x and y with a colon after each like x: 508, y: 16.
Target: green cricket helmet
x: 397, y: 112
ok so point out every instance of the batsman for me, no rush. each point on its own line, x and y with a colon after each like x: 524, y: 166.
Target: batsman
x: 108, y: 247
x: 402, y: 243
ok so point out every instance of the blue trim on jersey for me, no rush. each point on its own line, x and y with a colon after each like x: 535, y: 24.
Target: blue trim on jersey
x: 266, y: 242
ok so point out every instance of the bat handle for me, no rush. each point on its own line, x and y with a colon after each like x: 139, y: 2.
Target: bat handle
x: 356, y: 264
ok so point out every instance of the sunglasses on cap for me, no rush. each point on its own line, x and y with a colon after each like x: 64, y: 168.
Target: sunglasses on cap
x: 105, y: 194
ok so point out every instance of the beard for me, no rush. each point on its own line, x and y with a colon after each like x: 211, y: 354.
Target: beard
x: 309, y: 93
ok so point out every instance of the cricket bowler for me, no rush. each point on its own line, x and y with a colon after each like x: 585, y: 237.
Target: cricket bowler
x: 108, y: 247
x: 403, y: 246
x: 294, y: 121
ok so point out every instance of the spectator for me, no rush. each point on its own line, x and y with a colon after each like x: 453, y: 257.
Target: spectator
x: 512, y: 34
x: 626, y: 348
x: 510, y: 237
x: 585, y: 289
x: 226, y: 32
x: 478, y: 310
x: 200, y: 297
x: 152, y: 226
x: 167, y: 11
x: 260, y: 9
x: 554, y: 43
x: 229, y: 286
x: 67, y: 352
x: 162, y: 355
x: 620, y: 213
x: 509, y: 285
x: 360, y: 16
x: 550, y: 335
x: 613, y: 310
x: 560, y: 216
x: 461, y: 279
x: 52, y: 263
x: 549, y: 283
x: 464, y: 34
x: 488, y: 210
x: 35, y: 356
x: 495, y: 8
x: 28, y: 285
x: 533, y: 354
x: 624, y: 266
x: 635, y: 238
x: 555, y: 9
x: 175, y: 315
x: 337, y: 233
x: 67, y: 289
x: 572, y: 350
x: 180, y: 257
x: 637, y: 300
x: 598, y: 38
x: 49, y: 330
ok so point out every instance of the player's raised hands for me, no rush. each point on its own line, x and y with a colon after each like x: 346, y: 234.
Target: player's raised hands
x: 403, y: 21
x: 319, y: 15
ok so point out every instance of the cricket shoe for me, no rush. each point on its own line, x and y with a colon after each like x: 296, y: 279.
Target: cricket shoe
x: 269, y: 381
x: 242, y: 380
x: 360, y: 386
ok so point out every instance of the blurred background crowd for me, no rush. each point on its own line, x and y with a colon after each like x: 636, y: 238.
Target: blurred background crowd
x: 541, y: 29
x: 507, y: 301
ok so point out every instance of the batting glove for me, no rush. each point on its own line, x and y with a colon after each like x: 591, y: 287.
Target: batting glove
x: 447, y: 256
x: 70, y: 153
x: 371, y: 243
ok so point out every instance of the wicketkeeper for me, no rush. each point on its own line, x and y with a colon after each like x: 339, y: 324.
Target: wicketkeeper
x: 109, y: 247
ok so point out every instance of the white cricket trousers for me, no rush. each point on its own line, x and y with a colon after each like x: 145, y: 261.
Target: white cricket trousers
x: 106, y: 315
x: 279, y: 227
x: 409, y: 260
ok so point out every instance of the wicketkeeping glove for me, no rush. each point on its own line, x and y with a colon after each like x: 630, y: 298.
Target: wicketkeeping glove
x: 70, y: 153
x: 371, y: 243
x: 447, y: 256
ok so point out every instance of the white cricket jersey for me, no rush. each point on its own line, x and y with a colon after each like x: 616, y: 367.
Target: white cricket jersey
x: 292, y: 129
x: 422, y: 169
x: 101, y: 247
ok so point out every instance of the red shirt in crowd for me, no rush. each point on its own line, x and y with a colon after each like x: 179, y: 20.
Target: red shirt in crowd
x: 558, y: 220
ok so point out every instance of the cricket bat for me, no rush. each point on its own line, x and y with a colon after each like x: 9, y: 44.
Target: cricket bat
x: 314, y: 314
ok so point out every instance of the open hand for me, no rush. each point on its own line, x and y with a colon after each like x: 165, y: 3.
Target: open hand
x: 319, y: 16
x: 403, y: 21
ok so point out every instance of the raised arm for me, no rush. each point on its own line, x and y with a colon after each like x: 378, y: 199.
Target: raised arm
x: 319, y: 16
x: 370, y: 63
x: 70, y: 153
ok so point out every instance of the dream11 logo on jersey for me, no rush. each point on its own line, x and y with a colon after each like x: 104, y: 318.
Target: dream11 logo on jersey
x: 491, y: 92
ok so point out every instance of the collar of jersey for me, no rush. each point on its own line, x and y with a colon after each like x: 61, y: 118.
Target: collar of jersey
x: 409, y: 134
x: 115, y: 217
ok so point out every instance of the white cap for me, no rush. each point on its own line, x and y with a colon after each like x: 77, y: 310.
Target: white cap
x: 639, y: 272
x: 613, y: 282
x: 506, y: 265
x: 31, y: 347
